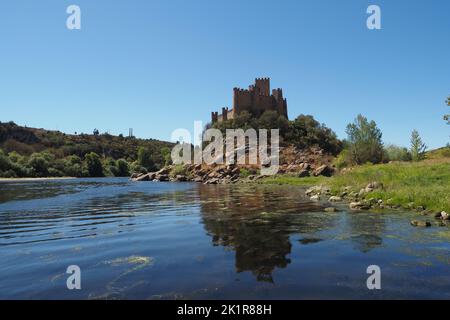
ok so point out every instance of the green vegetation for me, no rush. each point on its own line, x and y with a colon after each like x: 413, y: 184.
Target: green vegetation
x: 418, y: 148
x: 364, y: 141
x: 29, y: 152
x: 302, y: 132
x: 144, y: 159
x: 408, y: 184
x: 179, y: 169
x: 396, y: 153
x: 438, y: 153
x: 94, y: 165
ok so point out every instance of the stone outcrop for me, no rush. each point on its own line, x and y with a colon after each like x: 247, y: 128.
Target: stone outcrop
x: 301, y: 163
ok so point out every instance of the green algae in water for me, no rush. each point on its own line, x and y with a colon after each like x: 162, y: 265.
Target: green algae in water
x: 139, y: 260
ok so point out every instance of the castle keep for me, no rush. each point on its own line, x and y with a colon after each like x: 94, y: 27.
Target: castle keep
x: 256, y: 100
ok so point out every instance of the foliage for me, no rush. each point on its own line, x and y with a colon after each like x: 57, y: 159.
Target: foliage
x: 178, y: 169
x: 40, y: 164
x: 244, y: 173
x: 144, y: 159
x: 303, y: 132
x: 418, y: 148
x: 29, y: 152
x: 396, y: 153
x: 94, y: 165
x: 406, y: 184
x: 123, y: 168
x: 343, y: 159
x: 166, y: 155
x: 364, y: 140
x: 438, y: 153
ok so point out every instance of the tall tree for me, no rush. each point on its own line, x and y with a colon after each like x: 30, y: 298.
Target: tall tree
x: 364, y: 140
x: 418, y: 148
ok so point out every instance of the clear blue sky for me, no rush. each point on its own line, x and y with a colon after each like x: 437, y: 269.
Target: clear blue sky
x: 159, y: 65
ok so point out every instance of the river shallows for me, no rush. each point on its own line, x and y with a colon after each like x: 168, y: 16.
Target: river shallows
x: 185, y: 241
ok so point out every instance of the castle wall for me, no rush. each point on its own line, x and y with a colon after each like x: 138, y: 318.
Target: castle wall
x: 256, y: 100
x: 262, y: 86
x: 242, y: 101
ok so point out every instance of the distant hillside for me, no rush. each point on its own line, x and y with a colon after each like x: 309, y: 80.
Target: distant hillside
x: 438, y: 153
x: 55, y: 145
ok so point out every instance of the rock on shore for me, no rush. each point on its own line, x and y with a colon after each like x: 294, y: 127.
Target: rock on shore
x: 302, y: 163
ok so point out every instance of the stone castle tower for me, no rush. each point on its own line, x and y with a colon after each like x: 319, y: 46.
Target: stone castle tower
x: 256, y: 100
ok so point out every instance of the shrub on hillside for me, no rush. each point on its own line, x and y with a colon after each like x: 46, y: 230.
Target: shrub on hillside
x: 396, y: 153
x: 94, y: 165
x: 303, y: 132
x: 40, y: 164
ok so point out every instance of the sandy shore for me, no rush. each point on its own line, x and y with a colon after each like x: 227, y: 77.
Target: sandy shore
x: 34, y: 179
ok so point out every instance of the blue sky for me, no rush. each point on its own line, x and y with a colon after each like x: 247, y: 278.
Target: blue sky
x: 159, y: 65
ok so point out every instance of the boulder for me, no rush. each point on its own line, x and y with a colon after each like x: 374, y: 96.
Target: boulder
x: 323, y: 170
x: 438, y: 215
x: 330, y: 209
x: 212, y: 181
x: 135, y: 175
x: 162, y: 177
x: 373, y: 186
x: 314, y: 190
x: 335, y: 199
x: 145, y: 177
x: 445, y: 215
x: 315, y: 198
x: 163, y: 171
x: 181, y: 178
x: 359, y: 206
x: 303, y: 173
x: 417, y: 223
x: 235, y: 171
x: 305, y: 166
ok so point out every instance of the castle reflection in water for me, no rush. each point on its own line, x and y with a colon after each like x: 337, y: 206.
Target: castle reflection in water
x: 259, y: 224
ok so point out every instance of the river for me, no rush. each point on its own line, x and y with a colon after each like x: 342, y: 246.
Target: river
x: 153, y: 240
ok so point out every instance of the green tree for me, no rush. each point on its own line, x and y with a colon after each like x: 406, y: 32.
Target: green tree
x: 145, y: 159
x: 123, y: 169
x: 418, y: 148
x: 305, y: 132
x: 364, y: 138
x: 166, y: 154
x: 40, y: 163
x: 94, y: 165
x: 5, y: 162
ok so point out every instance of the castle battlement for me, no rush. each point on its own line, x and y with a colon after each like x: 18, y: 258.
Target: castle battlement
x: 256, y: 100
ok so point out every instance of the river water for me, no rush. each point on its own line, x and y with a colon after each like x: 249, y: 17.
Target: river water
x: 190, y: 241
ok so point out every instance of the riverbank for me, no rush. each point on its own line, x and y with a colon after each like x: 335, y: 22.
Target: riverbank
x: 422, y: 186
x: 34, y: 179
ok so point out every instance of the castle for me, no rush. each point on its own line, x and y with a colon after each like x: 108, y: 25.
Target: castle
x: 255, y: 100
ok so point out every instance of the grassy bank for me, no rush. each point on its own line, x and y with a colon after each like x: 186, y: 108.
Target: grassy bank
x: 407, y: 184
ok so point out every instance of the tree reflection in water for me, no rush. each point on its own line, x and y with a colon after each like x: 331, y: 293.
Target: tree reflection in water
x: 257, y: 222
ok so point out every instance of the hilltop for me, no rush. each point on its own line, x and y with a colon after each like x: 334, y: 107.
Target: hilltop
x: 29, y: 152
